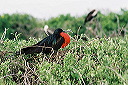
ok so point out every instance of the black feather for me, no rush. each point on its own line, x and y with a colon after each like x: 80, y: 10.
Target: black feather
x: 90, y: 16
x: 53, y: 41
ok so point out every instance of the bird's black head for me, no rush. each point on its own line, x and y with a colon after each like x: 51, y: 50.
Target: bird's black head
x: 58, y: 31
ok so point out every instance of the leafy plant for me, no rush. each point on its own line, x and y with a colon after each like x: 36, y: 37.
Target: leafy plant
x: 97, y: 61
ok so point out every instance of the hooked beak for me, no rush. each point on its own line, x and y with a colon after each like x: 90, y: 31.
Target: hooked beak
x: 67, y: 31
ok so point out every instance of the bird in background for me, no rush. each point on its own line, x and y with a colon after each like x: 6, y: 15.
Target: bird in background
x: 90, y: 16
x: 59, y: 39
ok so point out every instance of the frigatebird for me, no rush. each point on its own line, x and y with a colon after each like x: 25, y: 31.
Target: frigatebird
x: 90, y: 16
x: 59, y: 39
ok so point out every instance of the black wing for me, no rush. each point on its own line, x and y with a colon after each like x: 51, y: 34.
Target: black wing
x: 44, y: 46
x: 58, y: 43
x: 37, y: 48
x: 89, y: 16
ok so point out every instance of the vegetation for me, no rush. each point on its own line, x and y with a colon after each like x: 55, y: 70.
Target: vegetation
x: 98, y: 61
x: 28, y: 26
x: 20, y: 23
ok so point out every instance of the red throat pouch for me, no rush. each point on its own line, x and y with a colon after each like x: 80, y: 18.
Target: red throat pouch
x: 66, y: 38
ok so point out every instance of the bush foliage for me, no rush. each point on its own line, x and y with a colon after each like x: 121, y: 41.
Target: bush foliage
x: 29, y: 26
x: 97, y: 61
x: 20, y: 23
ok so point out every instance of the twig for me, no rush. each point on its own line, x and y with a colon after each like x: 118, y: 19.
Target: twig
x: 119, y: 75
x: 39, y: 46
x: 118, y: 21
x: 8, y: 75
x: 80, y: 76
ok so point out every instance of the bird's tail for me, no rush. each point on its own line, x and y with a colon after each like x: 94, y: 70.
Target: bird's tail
x: 30, y: 50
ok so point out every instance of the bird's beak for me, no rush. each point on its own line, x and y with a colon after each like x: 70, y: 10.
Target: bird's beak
x: 67, y: 31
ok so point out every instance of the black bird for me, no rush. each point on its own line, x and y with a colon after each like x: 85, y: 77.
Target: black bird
x: 59, y: 39
x: 90, y: 16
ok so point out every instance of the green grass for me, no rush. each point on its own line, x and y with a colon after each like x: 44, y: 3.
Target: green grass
x: 95, y: 62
